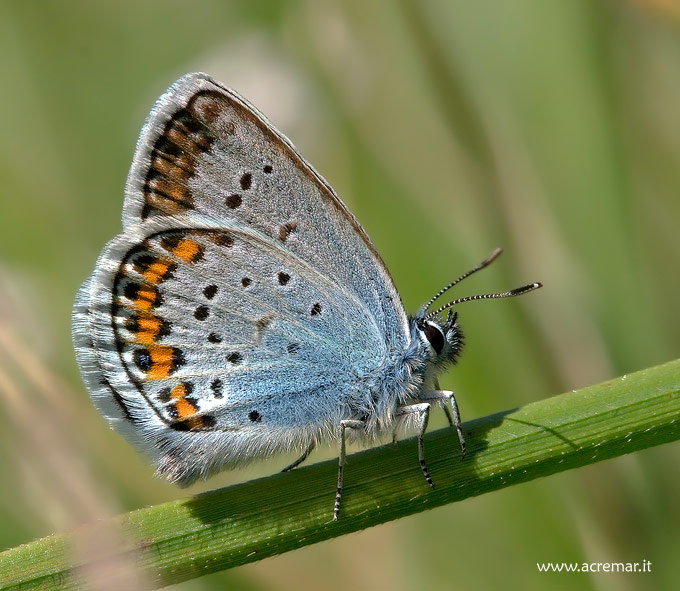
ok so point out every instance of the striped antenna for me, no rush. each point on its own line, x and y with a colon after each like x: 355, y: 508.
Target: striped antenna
x: 485, y: 263
x: 486, y: 296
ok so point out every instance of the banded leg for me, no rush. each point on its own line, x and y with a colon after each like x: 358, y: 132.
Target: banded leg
x: 447, y: 396
x: 301, y: 459
x: 422, y: 410
x: 344, y: 424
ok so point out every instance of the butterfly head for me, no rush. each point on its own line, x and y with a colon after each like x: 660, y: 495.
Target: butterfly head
x: 443, y: 338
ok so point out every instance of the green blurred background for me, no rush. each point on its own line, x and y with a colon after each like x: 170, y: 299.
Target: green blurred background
x: 551, y: 129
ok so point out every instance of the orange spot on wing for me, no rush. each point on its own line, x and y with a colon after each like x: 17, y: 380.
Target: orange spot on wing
x: 185, y: 409
x: 158, y: 271
x: 149, y: 327
x: 188, y: 250
x: 162, y: 362
x: 179, y: 391
x: 146, y: 298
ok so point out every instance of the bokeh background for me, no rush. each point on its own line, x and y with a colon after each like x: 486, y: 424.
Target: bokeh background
x: 551, y: 129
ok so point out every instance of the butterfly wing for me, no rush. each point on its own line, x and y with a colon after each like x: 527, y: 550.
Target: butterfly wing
x: 205, y: 149
x: 243, y: 303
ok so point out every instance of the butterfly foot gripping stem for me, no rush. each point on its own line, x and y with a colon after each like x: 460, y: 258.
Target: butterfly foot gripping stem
x: 422, y: 413
x: 344, y: 424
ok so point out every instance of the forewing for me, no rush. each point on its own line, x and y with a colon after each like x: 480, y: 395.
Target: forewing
x: 205, y: 149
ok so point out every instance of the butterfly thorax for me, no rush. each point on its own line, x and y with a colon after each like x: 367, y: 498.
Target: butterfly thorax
x: 405, y: 373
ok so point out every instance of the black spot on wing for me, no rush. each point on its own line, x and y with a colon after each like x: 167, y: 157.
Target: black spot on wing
x: 235, y: 358
x: 246, y: 181
x: 213, y: 337
x: 216, y: 387
x: 210, y: 291
x: 201, y: 313
x: 142, y: 359
x: 234, y: 201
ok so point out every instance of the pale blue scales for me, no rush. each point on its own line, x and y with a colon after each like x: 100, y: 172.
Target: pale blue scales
x: 243, y: 310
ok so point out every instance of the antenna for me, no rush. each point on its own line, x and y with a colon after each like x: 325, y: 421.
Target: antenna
x: 486, y: 296
x: 485, y: 263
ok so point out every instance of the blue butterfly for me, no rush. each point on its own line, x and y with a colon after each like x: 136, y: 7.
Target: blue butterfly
x: 243, y: 310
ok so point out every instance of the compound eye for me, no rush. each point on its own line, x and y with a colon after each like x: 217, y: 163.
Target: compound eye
x: 435, y: 337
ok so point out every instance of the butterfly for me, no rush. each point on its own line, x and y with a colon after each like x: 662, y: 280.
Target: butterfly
x: 243, y: 310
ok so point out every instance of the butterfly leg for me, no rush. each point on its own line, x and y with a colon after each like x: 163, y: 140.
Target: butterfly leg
x: 301, y: 459
x: 422, y: 412
x: 447, y: 412
x: 447, y: 396
x: 344, y: 424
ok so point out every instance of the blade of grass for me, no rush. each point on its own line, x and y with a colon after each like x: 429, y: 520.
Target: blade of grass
x: 184, y: 539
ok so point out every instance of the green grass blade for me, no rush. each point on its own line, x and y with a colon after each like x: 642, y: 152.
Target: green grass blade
x: 181, y: 540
